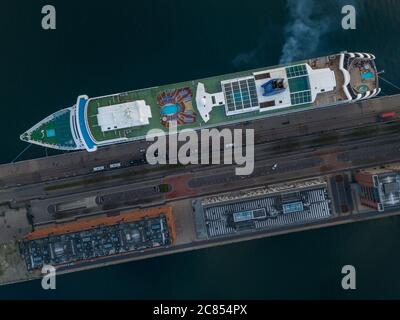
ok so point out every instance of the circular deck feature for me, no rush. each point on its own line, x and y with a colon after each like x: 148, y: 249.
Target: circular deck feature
x: 362, y: 88
x: 176, y: 107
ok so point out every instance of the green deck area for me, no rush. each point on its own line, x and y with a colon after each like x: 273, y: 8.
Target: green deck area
x: 217, y: 116
x: 55, y: 131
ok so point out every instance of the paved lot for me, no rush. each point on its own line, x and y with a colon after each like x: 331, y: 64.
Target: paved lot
x: 14, y: 224
x: 185, y: 229
x: 210, y: 179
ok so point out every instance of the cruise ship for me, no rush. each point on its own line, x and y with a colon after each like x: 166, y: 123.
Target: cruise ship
x: 205, y: 103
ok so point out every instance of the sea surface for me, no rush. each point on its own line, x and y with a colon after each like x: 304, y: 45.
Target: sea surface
x: 103, y: 47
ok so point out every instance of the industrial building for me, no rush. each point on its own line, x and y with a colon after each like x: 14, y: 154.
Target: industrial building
x: 379, y: 187
x: 89, y: 240
x: 275, y: 206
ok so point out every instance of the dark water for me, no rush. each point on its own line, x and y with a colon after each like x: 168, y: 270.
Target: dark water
x: 106, y: 47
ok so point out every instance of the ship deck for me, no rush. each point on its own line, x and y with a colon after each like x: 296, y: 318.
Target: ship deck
x: 229, y: 98
x: 54, y: 131
x: 217, y: 115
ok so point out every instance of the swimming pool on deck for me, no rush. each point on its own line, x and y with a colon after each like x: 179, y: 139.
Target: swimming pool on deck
x: 170, y: 109
x: 50, y: 133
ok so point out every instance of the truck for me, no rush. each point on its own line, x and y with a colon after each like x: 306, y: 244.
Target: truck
x: 387, y: 115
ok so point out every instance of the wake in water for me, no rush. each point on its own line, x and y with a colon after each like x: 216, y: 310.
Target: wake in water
x: 309, y: 21
x: 304, y: 32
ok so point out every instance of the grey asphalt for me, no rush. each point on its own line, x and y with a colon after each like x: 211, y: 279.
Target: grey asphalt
x: 128, y: 176
x: 222, y: 178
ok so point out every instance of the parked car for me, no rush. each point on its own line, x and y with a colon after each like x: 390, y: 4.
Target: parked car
x: 115, y: 165
x: 99, y: 168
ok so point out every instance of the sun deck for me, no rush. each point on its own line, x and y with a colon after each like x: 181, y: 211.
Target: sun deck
x: 216, y: 117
